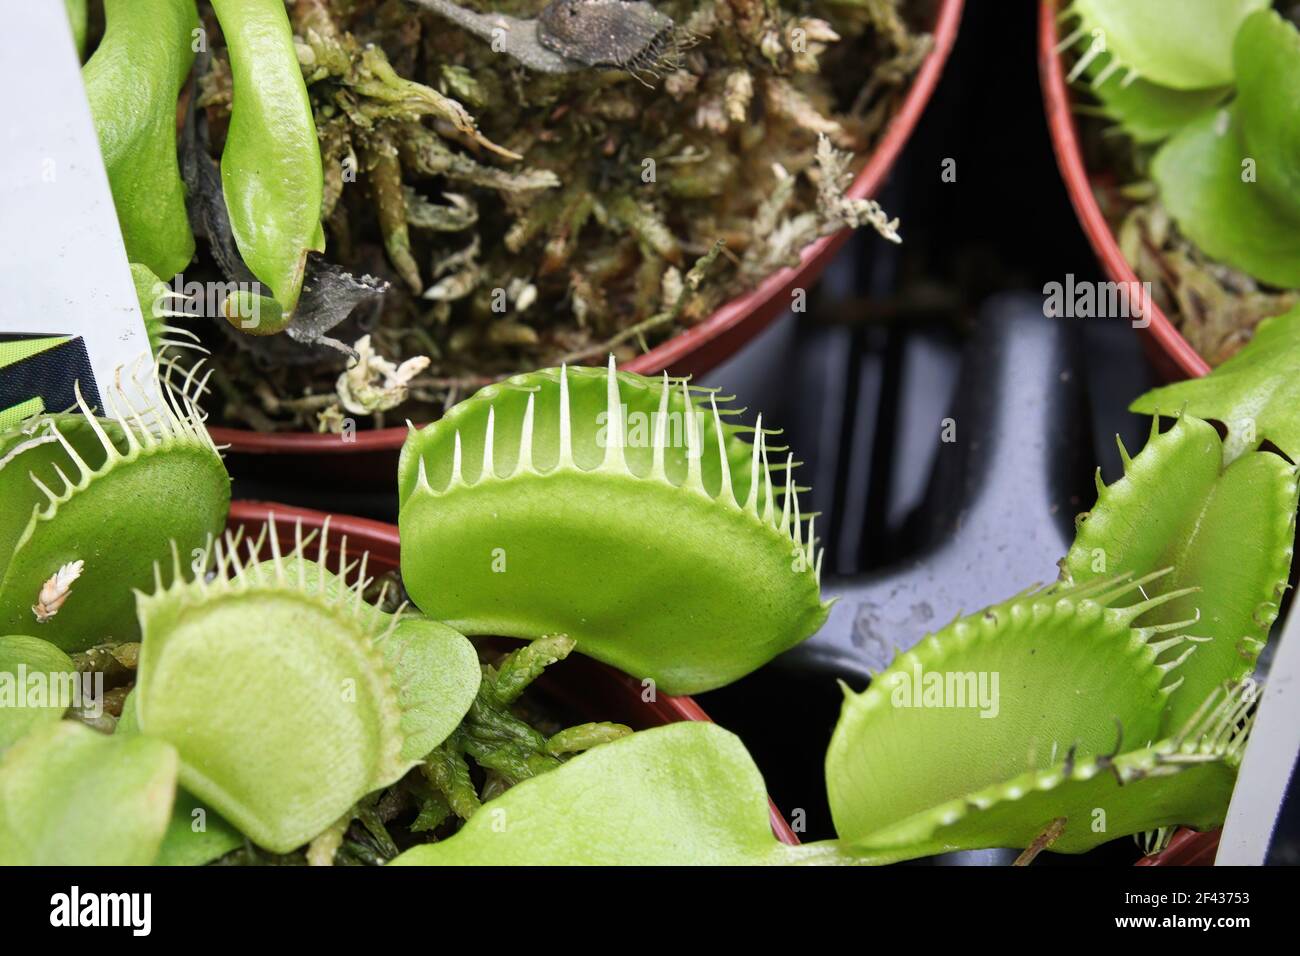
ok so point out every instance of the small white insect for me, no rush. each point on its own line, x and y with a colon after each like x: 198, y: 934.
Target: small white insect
x: 56, y: 590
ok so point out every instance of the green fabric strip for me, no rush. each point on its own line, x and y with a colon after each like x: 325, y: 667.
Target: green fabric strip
x: 18, y: 349
x: 17, y: 414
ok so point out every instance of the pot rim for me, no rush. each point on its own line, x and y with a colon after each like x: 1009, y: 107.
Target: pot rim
x: 753, y: 310
x: 1069, y: 159
x: 380, y: 538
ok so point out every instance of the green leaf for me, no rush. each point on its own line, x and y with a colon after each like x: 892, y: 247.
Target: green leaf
x: 437, y: 674
x: 132, y: 82
x: 1226, y: 532
x: 1255, y: 394
x: 1181, y: 44
x: 1232, y: 180
x: 20, y: 658
x: 1200, y: 174
x: 1146, y: 111
x: 196, y: 834
x: 683, y: 794
x: 72, y: 797
x: 1268, y: 96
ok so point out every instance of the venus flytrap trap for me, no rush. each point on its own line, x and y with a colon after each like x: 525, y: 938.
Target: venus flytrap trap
x: 1225, y: 527
x: 286, y: 695
x: 156, y: 300
x: 91, y: 504
x: 527, y: 511
x: 1076, y: 802
x: 1178, y: 44
x: 916, y: 771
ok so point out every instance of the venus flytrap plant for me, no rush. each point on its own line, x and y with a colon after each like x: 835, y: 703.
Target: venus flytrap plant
x: 1073, y: 750
x: 1227, y: 174
x: 287, y: 696
x: 1108, y: 704
x: 91, y: 504
x: 534, y: 508
x: 1226, y: 529
x: 1074, y: 803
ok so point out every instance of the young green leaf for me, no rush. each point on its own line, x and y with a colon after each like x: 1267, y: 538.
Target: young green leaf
x: 21, y: 657
x: 684, y: 794
x: 72, y: 797
x: 271, y: 166
x: 1255, y: 394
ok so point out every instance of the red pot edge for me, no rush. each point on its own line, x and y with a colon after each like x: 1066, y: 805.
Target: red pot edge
x: 381, y: 538
x: 1187, y: 848
x: 688, y: 350
x: 1170, y: 343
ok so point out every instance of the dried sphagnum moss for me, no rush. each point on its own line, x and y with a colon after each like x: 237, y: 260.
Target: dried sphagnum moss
x: 526, y: 218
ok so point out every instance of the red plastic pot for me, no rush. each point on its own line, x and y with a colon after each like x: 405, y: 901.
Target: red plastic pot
x: 593, y: 689
x: 1187, y: 848
x: 1172, y: 354
x: 373, y: 454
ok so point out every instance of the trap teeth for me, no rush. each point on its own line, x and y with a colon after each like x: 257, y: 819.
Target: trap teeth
x: 621, y: 505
